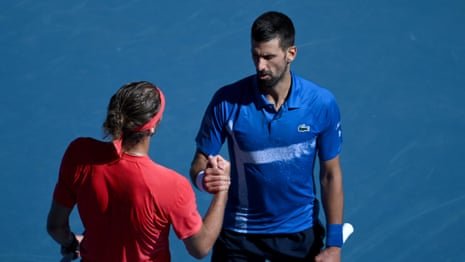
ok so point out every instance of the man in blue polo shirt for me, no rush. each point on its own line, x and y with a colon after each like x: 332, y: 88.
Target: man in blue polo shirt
x: 276, y: 124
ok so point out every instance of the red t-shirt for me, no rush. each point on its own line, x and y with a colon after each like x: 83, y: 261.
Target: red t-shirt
x: 126, y: 203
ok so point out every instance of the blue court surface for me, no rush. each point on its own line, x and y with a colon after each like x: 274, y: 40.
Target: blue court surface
x: 396, y: 67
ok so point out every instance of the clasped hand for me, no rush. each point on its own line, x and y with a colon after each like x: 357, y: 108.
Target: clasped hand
x: 217, y: 175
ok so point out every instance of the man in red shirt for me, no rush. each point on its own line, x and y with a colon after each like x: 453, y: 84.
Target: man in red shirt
x: 126, y: 201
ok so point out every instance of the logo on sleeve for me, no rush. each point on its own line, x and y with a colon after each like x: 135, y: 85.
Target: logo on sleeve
x: 303, y: 128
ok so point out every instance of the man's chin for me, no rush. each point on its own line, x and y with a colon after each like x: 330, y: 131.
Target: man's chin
x: 266, y: 83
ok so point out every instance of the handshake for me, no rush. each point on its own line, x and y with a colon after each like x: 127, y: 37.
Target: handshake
x: 216, y: 176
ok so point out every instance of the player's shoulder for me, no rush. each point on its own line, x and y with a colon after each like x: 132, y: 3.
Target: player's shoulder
x: 313, y: 91
x: 85, y: 143
x: 90, y: 150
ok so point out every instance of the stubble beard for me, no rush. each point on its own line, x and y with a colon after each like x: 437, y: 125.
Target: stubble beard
x: 273, y: 81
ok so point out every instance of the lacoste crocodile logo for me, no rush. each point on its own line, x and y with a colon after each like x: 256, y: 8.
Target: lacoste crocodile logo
x: 303, y: 128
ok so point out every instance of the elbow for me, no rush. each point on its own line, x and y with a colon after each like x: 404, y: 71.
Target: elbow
x: 53, y: 229
x: 200, y: 244
x: 197, y: 248
x: 327, y: 179
x: 199, y: 254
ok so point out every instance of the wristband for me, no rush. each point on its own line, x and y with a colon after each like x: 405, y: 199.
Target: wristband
x: 72, y: 248
x: 334, y: 235
x: 199, y: 181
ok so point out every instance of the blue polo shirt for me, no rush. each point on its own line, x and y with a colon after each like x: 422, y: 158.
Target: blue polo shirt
x: 272, y: 153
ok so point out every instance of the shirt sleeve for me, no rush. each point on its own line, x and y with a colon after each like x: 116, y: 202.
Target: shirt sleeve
x: 330, y: 140
x: 64, y: 193
x: 184, y: 216
x: 212, y: 132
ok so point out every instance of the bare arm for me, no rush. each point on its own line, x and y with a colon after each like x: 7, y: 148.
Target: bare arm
x: 200, y: 244
x: 58, y: 228
x: 333, y: 201
x: 331, y: 190
x: 58, y: 224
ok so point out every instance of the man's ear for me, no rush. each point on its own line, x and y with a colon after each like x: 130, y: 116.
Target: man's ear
x: 291, y: 53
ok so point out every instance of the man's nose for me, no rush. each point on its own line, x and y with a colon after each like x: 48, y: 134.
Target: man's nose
x: 261, y: 64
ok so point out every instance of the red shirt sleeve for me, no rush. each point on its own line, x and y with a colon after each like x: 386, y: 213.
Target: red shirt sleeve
x: 64, y: 193
x: 184, y: 215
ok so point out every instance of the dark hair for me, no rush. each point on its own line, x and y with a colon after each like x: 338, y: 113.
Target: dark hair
x: 271, y: 25
x: 133, y: 105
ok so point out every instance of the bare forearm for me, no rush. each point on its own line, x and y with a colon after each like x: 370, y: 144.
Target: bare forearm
x: 216, y: 180
x: 62, y: 236
x: 332, y: 198
x: 200, y: 244
x: 213, y: 220
x: 332, y: 190
x: 57, y: 224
